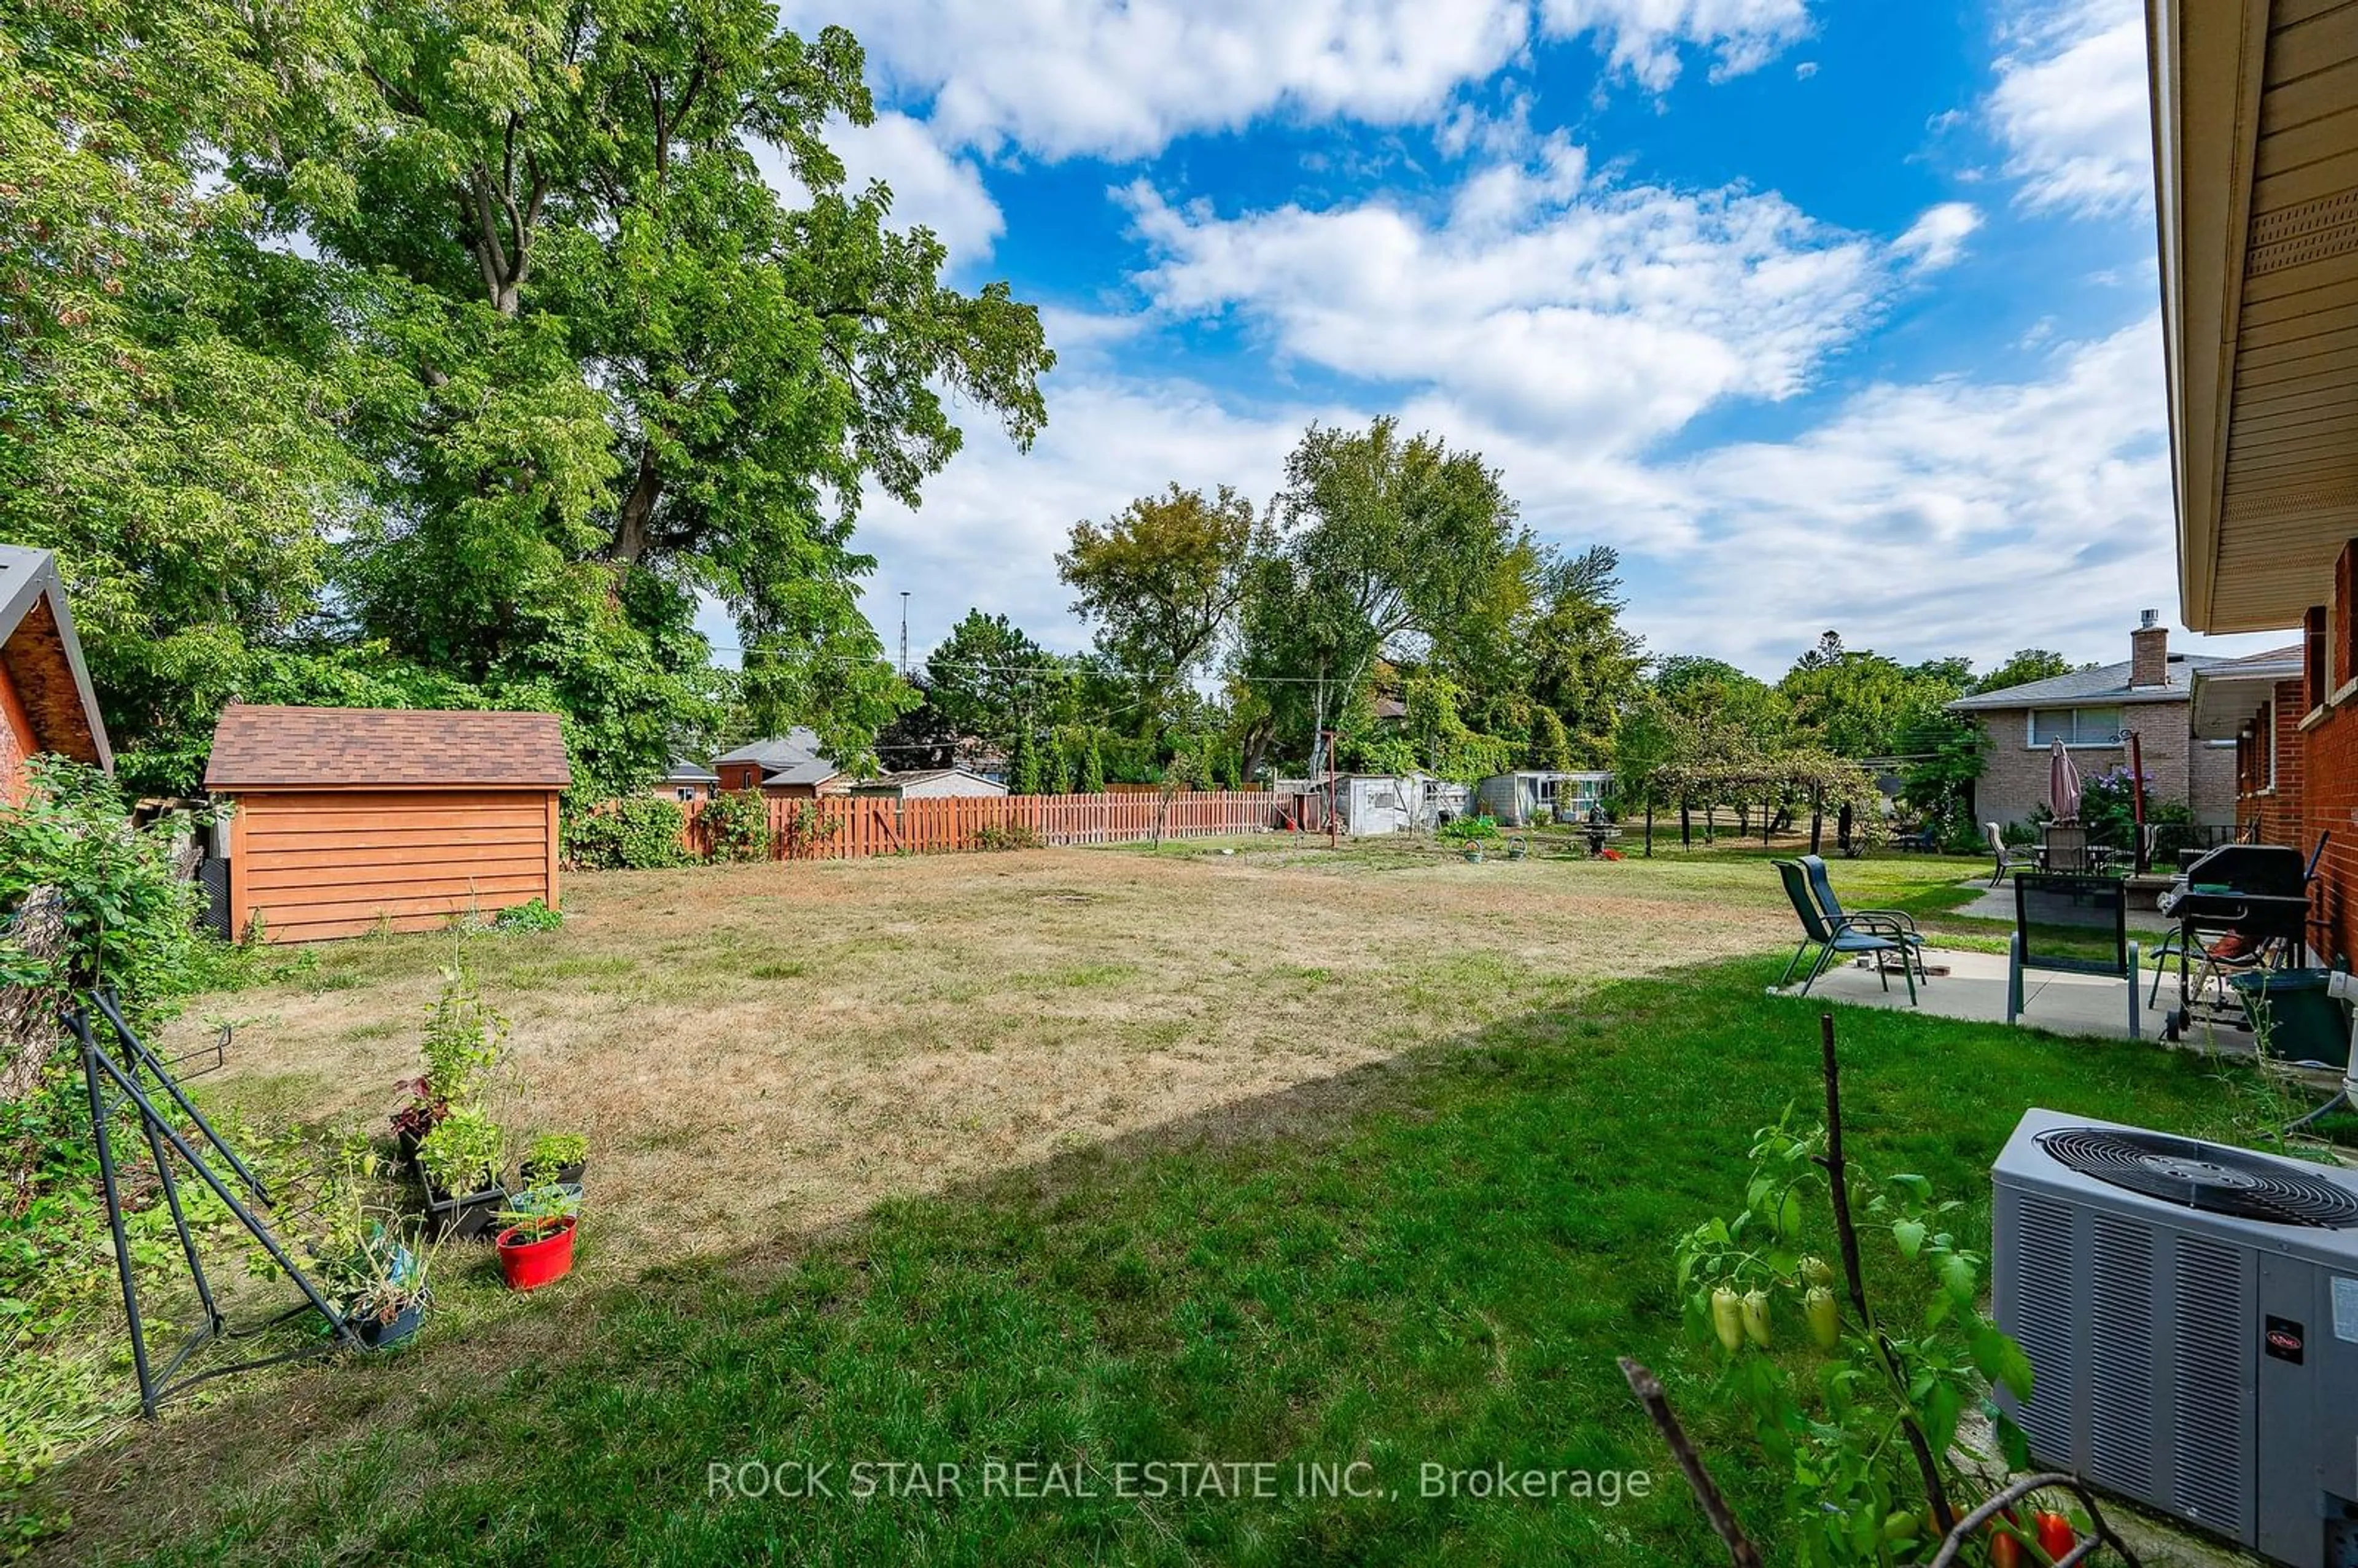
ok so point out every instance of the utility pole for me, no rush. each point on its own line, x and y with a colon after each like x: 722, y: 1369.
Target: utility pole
x: 904, y: 633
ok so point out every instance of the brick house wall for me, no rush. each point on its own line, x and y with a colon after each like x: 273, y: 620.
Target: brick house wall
x: 2272, y: 797
x: 2177, y: 767
x: 2330, y: 760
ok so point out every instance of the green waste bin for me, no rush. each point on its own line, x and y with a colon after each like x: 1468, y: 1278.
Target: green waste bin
x: 2304, y: 1024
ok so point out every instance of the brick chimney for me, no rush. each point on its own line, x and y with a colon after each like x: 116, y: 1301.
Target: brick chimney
x: 2149, y: 652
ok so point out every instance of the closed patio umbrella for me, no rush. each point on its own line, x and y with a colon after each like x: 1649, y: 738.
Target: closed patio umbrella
x: 2064, y: 785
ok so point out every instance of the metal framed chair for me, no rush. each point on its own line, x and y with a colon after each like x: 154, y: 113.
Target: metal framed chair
x: 2010, y: 857
x: 2057, y: 919
x: 1852, y: 935
x: 1813, y: 867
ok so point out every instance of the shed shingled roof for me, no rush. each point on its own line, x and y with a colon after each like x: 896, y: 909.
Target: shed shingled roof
x: 256, y: 746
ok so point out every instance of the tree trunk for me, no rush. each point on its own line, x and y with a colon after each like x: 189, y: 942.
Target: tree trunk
x: 631, y: 530
x: 29, y: 1033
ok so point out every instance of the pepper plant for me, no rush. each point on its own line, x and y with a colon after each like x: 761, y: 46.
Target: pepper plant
x: 1861, y: 1423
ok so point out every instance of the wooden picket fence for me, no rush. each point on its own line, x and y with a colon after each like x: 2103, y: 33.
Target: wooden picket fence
x: 853, y: 828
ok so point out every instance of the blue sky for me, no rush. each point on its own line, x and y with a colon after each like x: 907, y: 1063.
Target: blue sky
x: 1824, y: 312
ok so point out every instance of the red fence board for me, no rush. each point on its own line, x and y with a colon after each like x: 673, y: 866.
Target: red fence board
x: 854, y: 828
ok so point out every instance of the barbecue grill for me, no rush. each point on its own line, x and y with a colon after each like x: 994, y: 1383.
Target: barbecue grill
x: 2258, y: 893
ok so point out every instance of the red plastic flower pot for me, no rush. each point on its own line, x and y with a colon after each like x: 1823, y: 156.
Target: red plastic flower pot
x: 531, y: 1257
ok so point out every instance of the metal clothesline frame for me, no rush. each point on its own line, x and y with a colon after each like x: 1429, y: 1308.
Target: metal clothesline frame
x: 113, y: 1083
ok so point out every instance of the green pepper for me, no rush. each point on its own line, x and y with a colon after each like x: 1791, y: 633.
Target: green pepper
x: 1728, y: 1319
x: 1756, y: 1317
x: 1824, y: 1317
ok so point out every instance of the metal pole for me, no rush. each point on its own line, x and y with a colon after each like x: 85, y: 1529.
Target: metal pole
x: 141, y: 1056
x: 92, y: 1063
x: 260, y: 1231
x: 904, y: 633
x: 180, y: 1223
x: 2136, y: 800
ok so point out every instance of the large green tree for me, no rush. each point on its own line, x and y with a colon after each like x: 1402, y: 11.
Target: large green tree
x: 1388, y: 548
x: 171, y: 408
x: 620, y: 369
x: 1162, y: 581
x: 470, y: 337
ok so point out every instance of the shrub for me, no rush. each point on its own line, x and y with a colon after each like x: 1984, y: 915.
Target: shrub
x: 630, y: 832
x: 127, y: 918
x: 532, y: 916
x: 1007, y: 836
x: 1469, y: 831
x: 738, y: 821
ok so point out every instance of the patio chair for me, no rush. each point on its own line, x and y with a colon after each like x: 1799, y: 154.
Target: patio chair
x: 2010, y: 857
x: 1813, y: 867
x: 1849, y: 936
x: 2070, y: 924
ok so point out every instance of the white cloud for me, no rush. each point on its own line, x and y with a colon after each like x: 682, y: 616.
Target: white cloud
x: 992, y: 522
x: 1643, y: 37
x: 931, y: 186
x: 1948, y: 515
x: 1938, y: 238
x: 2070, y: 107
x: 1067, y: 78
x: 1546, y: 300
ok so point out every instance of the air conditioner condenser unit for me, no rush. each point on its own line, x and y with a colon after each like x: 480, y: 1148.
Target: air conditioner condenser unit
x: 2190, y: 1314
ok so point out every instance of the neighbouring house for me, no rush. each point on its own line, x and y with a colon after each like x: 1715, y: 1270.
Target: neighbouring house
x: 684, y: 781
x: 2093, y: 712
x: 791, y: 766
x: 2257, y: 188
x: 46, y: 701
x: 2255, y: 704
x: 1516, y: 799
x: 929, y: 783
x: 349, y: 820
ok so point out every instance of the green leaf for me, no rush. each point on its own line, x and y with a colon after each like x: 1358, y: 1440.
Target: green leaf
x: 1909, y: 1235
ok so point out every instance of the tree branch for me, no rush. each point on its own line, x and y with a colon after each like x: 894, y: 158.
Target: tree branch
x: 1741, y: 1552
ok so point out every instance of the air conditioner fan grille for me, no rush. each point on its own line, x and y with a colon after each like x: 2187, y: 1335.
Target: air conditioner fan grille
x: 2205, y: 1177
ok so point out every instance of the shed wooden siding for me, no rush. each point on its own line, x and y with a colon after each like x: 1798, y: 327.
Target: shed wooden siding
x: 16, y: 743
x: 315, y: 864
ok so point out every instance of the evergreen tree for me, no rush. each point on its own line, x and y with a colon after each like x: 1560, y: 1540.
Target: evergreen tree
x: 1092, y: 769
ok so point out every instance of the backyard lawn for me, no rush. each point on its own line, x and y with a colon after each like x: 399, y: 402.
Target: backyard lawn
x: 1079, y: 1159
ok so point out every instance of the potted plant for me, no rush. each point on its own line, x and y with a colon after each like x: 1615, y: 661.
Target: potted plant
x: 461, y: 1160
x: 535, y: 1243
x: 389, y: 1305
x: 364, y: 1259
x: 557, y: 1158
x: 465, y: 1039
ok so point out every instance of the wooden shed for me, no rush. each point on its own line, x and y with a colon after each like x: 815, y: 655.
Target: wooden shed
x: 350, y: 818
x: 46, y: 701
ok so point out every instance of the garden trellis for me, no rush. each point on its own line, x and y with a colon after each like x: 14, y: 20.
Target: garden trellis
x: 1777, y: 784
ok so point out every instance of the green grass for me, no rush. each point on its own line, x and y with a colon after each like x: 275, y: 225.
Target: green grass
x: 1437, y: 1262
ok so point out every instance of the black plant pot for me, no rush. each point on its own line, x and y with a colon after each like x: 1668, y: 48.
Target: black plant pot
x: 380, y: 1334
x: 474, y: 1217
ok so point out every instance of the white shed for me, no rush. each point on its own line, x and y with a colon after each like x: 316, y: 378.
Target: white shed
x: 1514, y: 799
x: 929, y: 783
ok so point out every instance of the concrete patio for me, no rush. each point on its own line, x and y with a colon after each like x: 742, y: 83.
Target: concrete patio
x: 1998, y: 903
x: 2091, y: 1006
